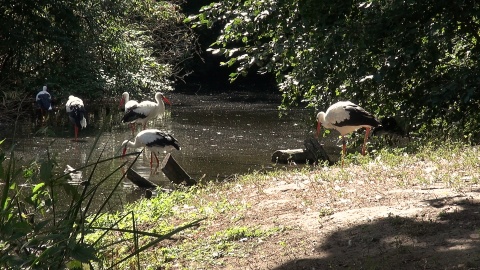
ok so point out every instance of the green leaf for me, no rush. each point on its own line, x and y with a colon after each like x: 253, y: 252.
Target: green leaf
x: 84, y: 253
x: 74, y: 264
x: 46, y: 171
x: 37, y: 187
x: 13, y: 186
x: 22, y: 227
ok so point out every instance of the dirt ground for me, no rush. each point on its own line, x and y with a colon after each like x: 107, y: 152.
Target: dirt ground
x: 359, y: 225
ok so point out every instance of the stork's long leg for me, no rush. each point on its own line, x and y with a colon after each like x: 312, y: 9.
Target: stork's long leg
x: 76, y: 131
x: 158, y: 162
x: 133, y: 127
x: 344, y: 149
x: 365, y: 141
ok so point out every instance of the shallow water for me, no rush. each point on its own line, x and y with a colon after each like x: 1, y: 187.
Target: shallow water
x: 219, y: 138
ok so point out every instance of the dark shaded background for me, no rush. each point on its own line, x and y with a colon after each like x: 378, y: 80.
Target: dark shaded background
x: 208, y: 75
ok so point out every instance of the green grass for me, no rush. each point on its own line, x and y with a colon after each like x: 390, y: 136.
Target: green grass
x: 38, y: 232
x: 205, y: 246
x: 165, y: 232
x: 219, y: 236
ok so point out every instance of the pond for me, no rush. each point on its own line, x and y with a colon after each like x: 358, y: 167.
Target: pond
x: 220, y: 135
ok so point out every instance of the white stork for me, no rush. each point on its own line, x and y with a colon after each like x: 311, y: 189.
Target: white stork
x: 346, y: 117
x: 76, y: 112
x: 129, y: 105
x: 44, y: 101
x: 146, y: 110
x: 153, y: 139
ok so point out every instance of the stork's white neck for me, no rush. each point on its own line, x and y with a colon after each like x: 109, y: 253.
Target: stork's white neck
x: 321, y: 119
x: 131, y: 144
x: 159, y: 99
x: 126, y: 96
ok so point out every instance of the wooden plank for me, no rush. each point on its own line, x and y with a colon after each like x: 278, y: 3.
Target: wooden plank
x: 316, y: 149
x: 175, y: 172
x: 139, y: 180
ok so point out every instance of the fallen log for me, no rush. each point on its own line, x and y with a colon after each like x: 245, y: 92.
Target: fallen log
x: 292, y: 155
x: 313, y: 153
x: 175, y: 173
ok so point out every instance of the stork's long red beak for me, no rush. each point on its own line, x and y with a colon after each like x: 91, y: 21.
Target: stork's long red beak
x: 122, y: 102
x: 166, y: 100
x: 124, y: 151
x: 319, y: 128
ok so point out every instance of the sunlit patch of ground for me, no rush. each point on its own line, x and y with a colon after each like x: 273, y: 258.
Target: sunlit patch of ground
x: 421, y: 214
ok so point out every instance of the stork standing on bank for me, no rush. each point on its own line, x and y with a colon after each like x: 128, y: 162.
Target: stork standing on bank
x: 44, y: 101
x: 129, y: 105
x: 154, y: 140
x: 346, y: 117
x: 146, y: 110
x: 76, y: 112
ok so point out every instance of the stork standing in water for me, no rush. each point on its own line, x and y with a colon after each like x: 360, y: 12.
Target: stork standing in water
x: 76, y: 112
x: 154, y: 140
x: 146, y: 110
x: 44, y: 101
x: 346, y: 117
x: 129, y: 105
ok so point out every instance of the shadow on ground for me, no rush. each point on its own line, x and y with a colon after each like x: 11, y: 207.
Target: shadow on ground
x: 448, y: 240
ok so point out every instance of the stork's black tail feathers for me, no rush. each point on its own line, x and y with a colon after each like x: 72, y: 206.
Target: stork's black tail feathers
x: 164, y: 139
x: 131, y: 116
x: 174, y: 143
x: 389, y: 126
x: 77, y: 116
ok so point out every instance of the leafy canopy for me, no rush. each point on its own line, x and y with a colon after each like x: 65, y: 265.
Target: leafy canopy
x: 92, y: 48
x: 412, y: 59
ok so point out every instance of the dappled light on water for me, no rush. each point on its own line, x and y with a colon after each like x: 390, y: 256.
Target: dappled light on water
x: 218, y: 139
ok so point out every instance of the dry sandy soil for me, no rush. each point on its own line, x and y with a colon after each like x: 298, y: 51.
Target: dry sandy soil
x: 361, y: 221
x: 358, y: 225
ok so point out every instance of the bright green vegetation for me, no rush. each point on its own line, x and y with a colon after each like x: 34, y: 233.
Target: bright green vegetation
x: 39, y: 232
x: 416, y: 59
x: 198, y: 227
x: 166, y: 211
x: 93, y: 49
x: 223, y: 205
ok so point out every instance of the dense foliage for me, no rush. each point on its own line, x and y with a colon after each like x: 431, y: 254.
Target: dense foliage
x: 49, y: 219
x: 92, y: 48
x: 413, y: 59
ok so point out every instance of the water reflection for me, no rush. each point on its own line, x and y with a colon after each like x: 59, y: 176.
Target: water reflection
x: 218, y: 139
